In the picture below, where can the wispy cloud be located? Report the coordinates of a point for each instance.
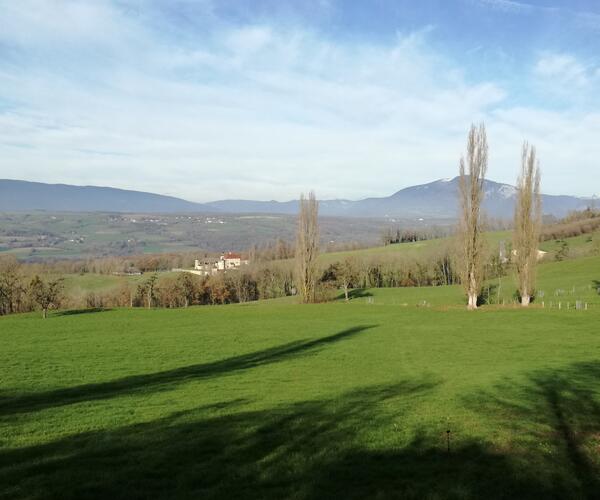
(205, 108)
(580, 18)
(589, 20)
(507, 5)
(567, 78)
(563, 69)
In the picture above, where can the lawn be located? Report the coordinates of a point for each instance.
(279, 400)
(412, 249)
(568, 281)
(565, 282)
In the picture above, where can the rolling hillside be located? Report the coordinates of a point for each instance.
(435, 200)
(18, 195)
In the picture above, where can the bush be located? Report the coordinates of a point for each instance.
(563, 251)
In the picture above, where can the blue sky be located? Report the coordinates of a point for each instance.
(264, 99)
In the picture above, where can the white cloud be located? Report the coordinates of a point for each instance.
(569, 17)
(251, 111)
(507, 5)
(563, 69)
(249, 39)
(567, 80)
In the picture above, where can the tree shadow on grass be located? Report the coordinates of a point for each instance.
(167, 379)
(489, 295)
(342, 448)
(557, 411)
(204, 454)
(357, 293)
(74, 312)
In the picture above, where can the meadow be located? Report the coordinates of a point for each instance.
(567, 281)
(373, 398)
(398, 393)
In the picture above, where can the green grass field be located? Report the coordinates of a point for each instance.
(412, 249)
(565, 282)
(580, 245)
(279, 400)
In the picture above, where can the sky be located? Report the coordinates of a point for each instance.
(264, 99)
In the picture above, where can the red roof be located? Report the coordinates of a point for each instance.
(232, 255)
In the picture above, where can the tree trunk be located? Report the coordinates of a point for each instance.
(525, 300)
(472, 300)
(44, 313)
(472, 291)
(346, 292)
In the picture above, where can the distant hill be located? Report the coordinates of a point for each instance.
(437, 200)
(23, 195)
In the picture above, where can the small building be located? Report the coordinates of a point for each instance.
(540, 255)
(226, 262)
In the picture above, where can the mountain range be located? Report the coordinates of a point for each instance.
(436, 199)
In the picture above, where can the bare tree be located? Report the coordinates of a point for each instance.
(343, 274)
(187, 287)
(11, 286)
(307, 247)
(347, 275)
(528, 221)
(47, 294)
(146, 291)
(471, 191)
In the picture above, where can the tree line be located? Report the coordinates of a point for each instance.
(470, 258)
(280, 268)
(20, 293)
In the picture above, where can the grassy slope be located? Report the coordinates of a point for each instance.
(278, 400)
(82, 284)
(566, 282)
(408, 249)
(579, 243)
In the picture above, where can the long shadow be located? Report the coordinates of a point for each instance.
(203, 453)
(357, 293)
(308, 450)
(73, 312)
(166, 379)
(561, 409)
(574, 413)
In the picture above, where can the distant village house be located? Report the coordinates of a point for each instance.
(504, 257)
(225, 262)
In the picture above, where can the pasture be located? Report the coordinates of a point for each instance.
(280, 400)
(566, 282)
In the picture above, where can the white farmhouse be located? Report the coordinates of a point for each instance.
(540, 254)
(225, 262)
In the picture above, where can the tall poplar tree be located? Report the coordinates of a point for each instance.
(471, 191)
(307, 248)
(528, 221)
